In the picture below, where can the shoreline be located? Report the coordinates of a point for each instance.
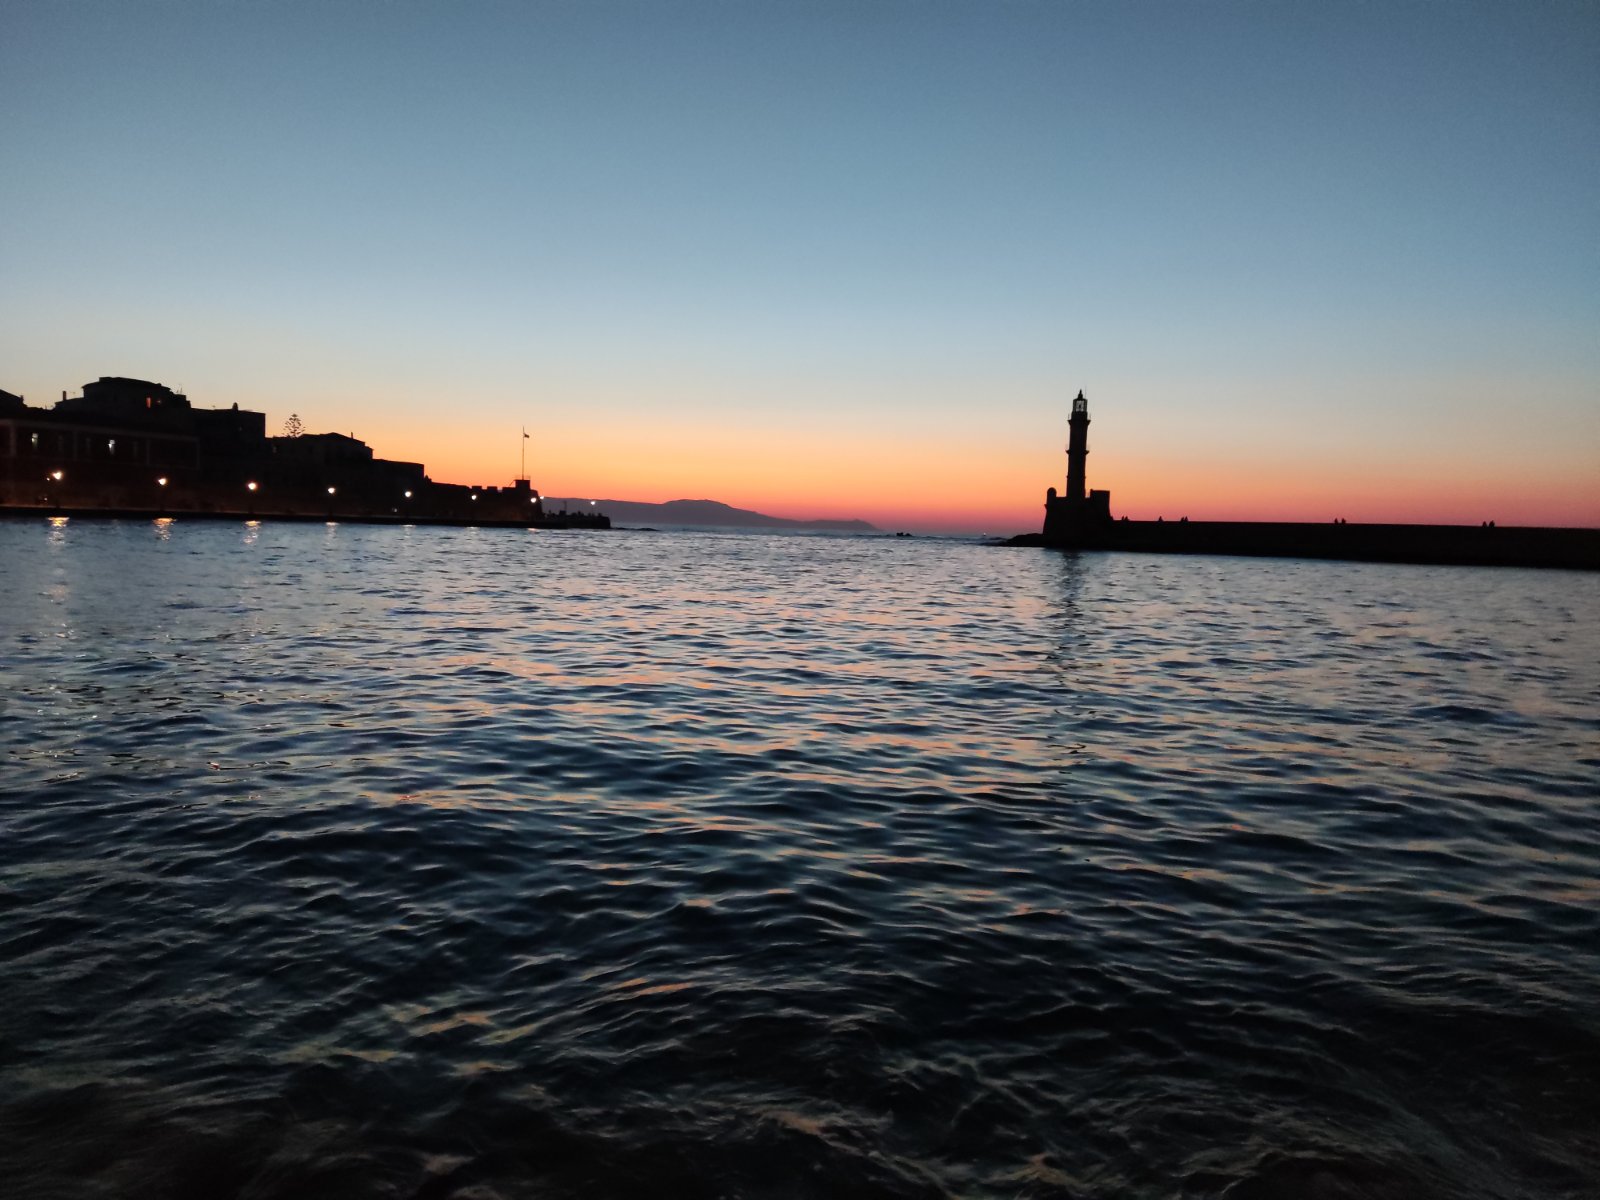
(151, 514)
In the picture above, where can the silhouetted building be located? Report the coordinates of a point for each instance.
(120, 434)
(118, 397)
(1069, 517)
(231, 431)
(324, 449)
(130, 445)
(124, 443)
(309, 464)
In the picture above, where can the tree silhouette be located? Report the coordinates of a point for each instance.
(293, 427)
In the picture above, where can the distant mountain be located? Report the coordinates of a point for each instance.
(699, 512)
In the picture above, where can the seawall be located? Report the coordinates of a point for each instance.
(1464, 545)
(548, 521)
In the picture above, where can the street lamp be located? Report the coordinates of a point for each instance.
(251, 485)
(161, 481)
(58, 476)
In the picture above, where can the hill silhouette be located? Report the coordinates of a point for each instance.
(700, 512)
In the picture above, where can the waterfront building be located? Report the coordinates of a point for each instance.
(107, 445)
(114, 396)
(132, 445)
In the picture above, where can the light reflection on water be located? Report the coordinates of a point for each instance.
(371, 861)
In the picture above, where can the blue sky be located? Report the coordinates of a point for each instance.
(1350, 237)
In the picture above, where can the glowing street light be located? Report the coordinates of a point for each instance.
(408, 493)
(161, 480)
(474, 495)
(332, 490)
(58, 476)
(252, 485)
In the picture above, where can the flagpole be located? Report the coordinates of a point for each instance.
(524, 452)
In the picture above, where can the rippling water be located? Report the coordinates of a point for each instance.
(347, 862)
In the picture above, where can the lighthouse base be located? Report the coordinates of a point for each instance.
(1071, 521)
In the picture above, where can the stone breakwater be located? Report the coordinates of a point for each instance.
(1461, 545)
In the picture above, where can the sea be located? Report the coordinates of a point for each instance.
(341, 861)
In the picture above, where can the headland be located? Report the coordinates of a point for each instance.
(710, 514)
(133, 448)
(1081, 519)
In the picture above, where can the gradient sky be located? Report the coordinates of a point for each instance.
(1307, 260)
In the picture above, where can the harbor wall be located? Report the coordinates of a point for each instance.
(1471, 545)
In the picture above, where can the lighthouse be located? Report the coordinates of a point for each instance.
(1077, 450)
(1073, 519)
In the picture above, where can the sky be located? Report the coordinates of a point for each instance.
(1306, 260)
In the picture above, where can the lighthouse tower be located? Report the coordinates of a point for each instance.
(1073, 519)
(1078, 450)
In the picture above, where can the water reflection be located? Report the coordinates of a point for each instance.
(697, 865)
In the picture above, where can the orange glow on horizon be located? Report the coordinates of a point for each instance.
(938, 480)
